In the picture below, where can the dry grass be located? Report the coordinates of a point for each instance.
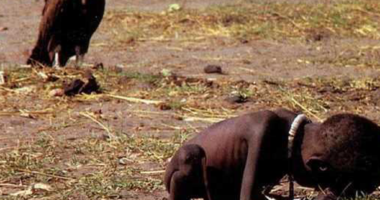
(93, 167)
(358, 19)
(104, 166)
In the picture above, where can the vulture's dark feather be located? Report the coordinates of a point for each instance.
(66, 28)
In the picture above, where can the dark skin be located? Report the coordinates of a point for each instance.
(249, 152)
(189, 167)
(240, 153)
(340, 156)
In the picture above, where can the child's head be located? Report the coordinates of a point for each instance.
(344, 152)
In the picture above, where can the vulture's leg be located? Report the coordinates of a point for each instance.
(56, 60)
(79, 57)
(56, 63)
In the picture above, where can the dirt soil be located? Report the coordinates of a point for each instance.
(265, 66)
(249, 61)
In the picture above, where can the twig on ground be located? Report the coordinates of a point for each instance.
(135, 100)
(44, 174)
(110, 134)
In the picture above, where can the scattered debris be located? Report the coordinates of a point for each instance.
(73, 87)
(98, 66)
(244, 41)
(87, 86)
(174, 7)
(237, 99)
(136, 100)
(23, 193)
(213, 69)
(33, 189)
(181, 80)
(25, 113)
(42, 75)
(42, 186)
(164, 106)
(202, 119)
(25, 66)
(2, 78)
(117, 68)
(26, 90)
(317, 35)
(124, 161)
(92, 117)
(90, 84)
(153, 172)
(57, 92)
(166, 72)
(47, 77)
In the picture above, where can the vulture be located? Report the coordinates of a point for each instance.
(65, 30)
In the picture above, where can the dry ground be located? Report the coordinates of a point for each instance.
(318, 57)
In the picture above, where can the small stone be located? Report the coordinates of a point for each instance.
(236, 99)
(244, 41)
(73, 87)
(213, 69)
(98, 66)
(42, 186)
(123, 161)
(56, 93)
(90, 84)
(164, 106)
(87, 86)
(119, 68)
